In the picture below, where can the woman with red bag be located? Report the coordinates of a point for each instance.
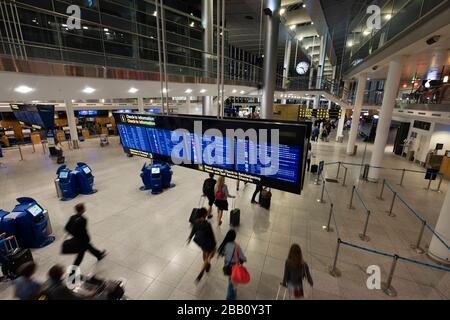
(234, 258)
(295, 270)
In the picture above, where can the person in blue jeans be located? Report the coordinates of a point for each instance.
(226, 250)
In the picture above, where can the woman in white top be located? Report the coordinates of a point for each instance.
(221, 196)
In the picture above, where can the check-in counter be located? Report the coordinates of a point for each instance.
(85, 133)
(445, 167)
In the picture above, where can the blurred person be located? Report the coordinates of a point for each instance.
(259, 188)
(295, 270)
(221, 196)
(208, 192)
(204, 237)
(309, 156)
(227, 250)
(77, 227)
(55, 288)
(25, 287)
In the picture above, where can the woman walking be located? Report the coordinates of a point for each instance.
(232, 254)
(204, 237)
(295, 270)
(221, 198)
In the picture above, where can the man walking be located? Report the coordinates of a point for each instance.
(77, 227)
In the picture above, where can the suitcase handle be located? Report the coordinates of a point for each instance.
(8, 240)
(201, 200)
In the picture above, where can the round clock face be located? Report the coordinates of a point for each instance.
(302, 68)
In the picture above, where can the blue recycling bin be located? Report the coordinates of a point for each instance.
(68, 183)
(85, 178)
(31, 224)
(7, 225)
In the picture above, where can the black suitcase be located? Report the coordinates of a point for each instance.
(61, 160)
(235, 217)
(314, 168)
(15, 257)
(264, 198)
(195, 215)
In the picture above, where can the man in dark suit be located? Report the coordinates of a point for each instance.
(77, 227)
(258, 189)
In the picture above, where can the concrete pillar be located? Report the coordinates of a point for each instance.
(72, 123)
(287, 59)
(141, 107)
(346, 91)
(437, 250)
(362, 78)
(387, 108)
(322, 58)
(311, 76)
(341, 123)
(188, 104)
(316, 102)
(272, 22)
(208, 47)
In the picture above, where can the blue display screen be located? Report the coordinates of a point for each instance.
(87, 113)
(154, 136)
(63, 175)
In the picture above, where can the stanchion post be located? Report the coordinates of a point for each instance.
(417, 247)
(387, 286)
(350, 206)
(403, 177)
(20, 151)
(392, 206)
(43, 147)
(338, 170)
(440, 183)
(429, 185)
(333, 270)
(345, 176)
(380, 197)
(34, 149)
(321, 200)
(327, 228)
(363, 235)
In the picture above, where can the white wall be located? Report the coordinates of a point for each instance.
(441, 134)
(422, 143)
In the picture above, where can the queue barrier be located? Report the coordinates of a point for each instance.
(424, 223)
(387, 286)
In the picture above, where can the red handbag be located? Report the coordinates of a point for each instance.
(239, 273)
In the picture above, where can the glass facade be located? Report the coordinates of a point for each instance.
(396, 16)
(119, 34)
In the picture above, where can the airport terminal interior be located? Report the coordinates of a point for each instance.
(325, 126)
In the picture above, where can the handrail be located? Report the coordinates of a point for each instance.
(361, 199)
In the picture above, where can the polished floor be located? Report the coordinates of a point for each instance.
(145, 234)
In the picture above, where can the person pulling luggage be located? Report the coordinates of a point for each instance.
(204, 237)
(258, 189)
(77, 227)
(208, 191)
(221, 198)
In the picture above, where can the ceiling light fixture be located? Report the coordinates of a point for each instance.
(188, 91)
(23, 89)
(133, 90)
(234, 91)
(292, 27)
(242, 92)
(388, 17)
(282, 11)
(88, 90)
(203, 91)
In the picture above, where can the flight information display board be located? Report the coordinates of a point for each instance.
(191, 139)
(306, 113)
(39, 116)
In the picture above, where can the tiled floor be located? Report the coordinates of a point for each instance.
(145, 235)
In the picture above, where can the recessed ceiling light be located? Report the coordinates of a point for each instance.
(106, 29)
(242, 92)
(282, 11)
(155, 13)
(388, 17)
(234, 91)
(203, 91)
(23, 89)
(85, 28)
(164, 90)
(133, 90)
(292, 27)
(304, 6)
(88, 90)
(188, 91)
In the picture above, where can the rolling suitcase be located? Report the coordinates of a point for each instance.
(15, 257)
(264, 198)
(195, 213)
(314, 168)
(235, 216)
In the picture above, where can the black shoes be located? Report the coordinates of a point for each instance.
(208, 267)
(199, 277)
(102, 255)
(210, 216)
(254, 202)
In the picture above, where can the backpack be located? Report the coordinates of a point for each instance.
(220, 195)
(208, 187)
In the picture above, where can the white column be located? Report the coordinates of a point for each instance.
(188, 104)
(346, 92)
(141, 107)
(72, 123)
(329, 104)
(387, 108)
(362, 78)
(322, 57)
(438, 250)
(287, 59)
(341, 123)
(316, 102)
(208, 50)
(311, 75)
